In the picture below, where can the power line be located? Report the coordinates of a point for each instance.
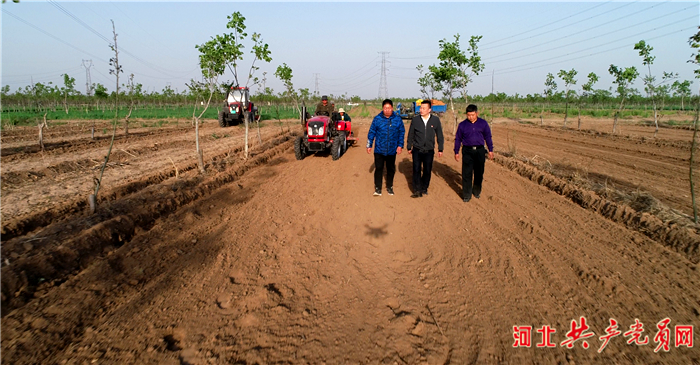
(588, 55)
(51, 35)
(354, 72)
(583, 32)
(122, 49)
(554, 22)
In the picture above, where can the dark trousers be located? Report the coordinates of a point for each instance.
(422, 169)
(472, 165)
(379, 162)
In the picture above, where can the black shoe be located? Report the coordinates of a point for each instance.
(417, 195)
(466, 200)
(377, 192)
(390, 191)
(425, 192)
(477, 195)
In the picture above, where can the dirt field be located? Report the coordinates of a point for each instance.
(271, 260)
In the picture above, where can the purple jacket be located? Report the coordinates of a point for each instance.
(473, 134)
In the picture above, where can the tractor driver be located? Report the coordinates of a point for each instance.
(324, 108)
(344, 116)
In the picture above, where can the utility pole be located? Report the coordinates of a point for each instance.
(383, 90)
(88, 82)
(316, 76)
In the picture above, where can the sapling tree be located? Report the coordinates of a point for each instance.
(550, 87)
(694, 42)
(284, 73)
(456, 69)
(569, 79)
(116, 70)
(428, 85)
(650, 80)
(623, 78)
(68, 89)
(225, 51)
(682, 90)
(587, 89)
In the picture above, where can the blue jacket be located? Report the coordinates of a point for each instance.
(389, 133)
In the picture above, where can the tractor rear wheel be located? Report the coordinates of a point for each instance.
(299, 148)
(222, 120)
(337, 146)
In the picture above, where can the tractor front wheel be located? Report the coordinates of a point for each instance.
(222, 119)
(299, 148)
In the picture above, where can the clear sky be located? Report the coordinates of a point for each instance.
(522, 41)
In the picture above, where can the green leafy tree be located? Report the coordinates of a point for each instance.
(225, 51)
(428, 85)
(456, 69)
(68, 89)
(586, 92)
(623, 78)
(569, 79)
(100, 91)
(284, 73)
(682, 90)
(650, 80)
(550, 87)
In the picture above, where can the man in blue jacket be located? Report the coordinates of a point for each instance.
(388, 130)
(471, 135)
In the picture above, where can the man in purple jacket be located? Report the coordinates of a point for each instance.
(471, 134)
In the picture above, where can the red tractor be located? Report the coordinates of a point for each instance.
(324, 132)
(237, 107)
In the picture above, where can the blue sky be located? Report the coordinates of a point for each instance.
(522, 41)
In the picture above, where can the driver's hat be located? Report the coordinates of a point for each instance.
(324, 97)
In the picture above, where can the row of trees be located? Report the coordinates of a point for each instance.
(41, 96)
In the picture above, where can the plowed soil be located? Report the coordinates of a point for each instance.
(270, 260)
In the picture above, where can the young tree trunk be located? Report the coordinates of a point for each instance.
(617, 114)
(246, 137)
(200, 157)
(126, 121)
(566, 112)
(656, 119)
(452, 106)
(579, 117)
(41, 133)
(692, 161)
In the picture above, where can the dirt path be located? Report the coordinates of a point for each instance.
(296, 262)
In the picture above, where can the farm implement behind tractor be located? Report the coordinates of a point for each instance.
(323, 133)
(411, 110)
